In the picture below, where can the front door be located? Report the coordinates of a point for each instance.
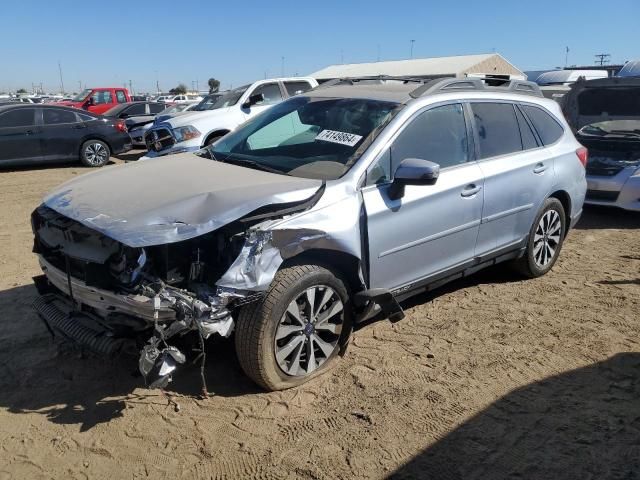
(272, 95)
(432, 228)
(19, 136)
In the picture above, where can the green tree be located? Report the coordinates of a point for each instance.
(214, 85)
(21, 90)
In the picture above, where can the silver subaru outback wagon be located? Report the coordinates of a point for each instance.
(323, 211)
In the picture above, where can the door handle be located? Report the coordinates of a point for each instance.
(539, 168)
(29, 132)
(470, 190)
(80, 127)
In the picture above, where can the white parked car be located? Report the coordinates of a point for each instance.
(194, 130)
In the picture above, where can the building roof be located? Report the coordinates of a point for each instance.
(490, 63)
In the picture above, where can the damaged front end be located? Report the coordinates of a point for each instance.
(163, 301)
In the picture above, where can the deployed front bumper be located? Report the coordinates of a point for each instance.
(621, 190)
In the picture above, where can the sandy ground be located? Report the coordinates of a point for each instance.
(491, 377)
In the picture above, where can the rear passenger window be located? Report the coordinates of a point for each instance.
(53, 116)
(528, 138)
(547, 127)
(122, 98)
(497, 127)
(438, 135)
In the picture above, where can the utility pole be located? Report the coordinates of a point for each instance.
(80, 85)
(130, 88)
(603, 59)
(566, 57)
(61, 82)
(157, 83)
(412, 42)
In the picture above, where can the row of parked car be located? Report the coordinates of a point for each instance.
(98, 123)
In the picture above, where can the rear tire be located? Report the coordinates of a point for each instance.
(94, 153)
(297, 331)
(545, 240)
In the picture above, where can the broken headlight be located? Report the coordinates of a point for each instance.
(188, 132)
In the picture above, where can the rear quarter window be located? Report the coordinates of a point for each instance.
(548, 128)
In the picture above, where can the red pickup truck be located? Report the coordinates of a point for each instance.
(98, 100)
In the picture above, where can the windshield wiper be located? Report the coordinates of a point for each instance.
(253, 164)
(229, 158)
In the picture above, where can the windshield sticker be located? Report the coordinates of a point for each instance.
(343, 138)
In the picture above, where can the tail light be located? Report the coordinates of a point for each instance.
(121, 126)
(583, 155)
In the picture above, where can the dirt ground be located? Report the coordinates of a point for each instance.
(492, 377)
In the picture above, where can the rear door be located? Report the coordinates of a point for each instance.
(62, 132)
(518, 174)
(433, 228)
(20, 135)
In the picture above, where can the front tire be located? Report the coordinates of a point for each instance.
(297, 330)
(94, 153)
(545, 240)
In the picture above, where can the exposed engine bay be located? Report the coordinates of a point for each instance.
(145, 296)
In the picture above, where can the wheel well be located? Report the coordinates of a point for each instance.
(217, 133)
(565, 200)
(344, 264)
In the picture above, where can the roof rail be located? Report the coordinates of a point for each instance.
(444, 85)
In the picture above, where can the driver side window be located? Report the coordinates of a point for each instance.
(438, 135)
(271, 92)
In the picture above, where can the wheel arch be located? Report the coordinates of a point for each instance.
(215, 133)
(344, 264)
(565, 199)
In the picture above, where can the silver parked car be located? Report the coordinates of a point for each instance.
(323, 211)
(605, 114)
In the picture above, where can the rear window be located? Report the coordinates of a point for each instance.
(549, 130)
(613, 101)
(497, 127)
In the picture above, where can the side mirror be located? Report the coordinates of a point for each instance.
(413, 171)
(253, 99)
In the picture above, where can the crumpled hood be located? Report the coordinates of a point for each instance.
(173, 198)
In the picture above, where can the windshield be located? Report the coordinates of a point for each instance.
(82, 95)
(307, 137)
(208, 103)
(229, 98)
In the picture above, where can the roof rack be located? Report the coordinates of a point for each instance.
(354, 80)
(444, 85)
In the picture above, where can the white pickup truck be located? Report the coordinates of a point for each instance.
(194, 130)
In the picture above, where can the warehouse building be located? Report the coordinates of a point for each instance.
(491, 65)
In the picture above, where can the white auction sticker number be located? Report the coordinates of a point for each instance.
(343, 138)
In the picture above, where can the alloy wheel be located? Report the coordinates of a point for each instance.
(96, 154)
(547, 238)
(309, 331)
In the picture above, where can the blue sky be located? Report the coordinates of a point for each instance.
(112, 42)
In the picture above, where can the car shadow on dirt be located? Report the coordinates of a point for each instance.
(583, 423)
(596, 217)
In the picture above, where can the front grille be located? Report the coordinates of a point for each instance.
(602, 195)
(159, 139)
(600, 170)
